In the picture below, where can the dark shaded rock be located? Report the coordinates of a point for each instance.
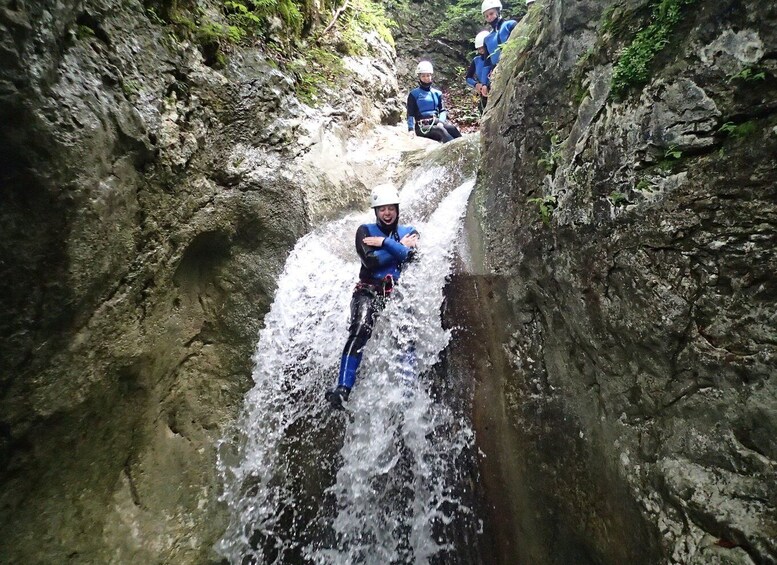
(635, 344)
(148, 204)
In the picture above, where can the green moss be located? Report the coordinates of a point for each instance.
(352, 42)
(634, 65)
(618, 199)
(220, 60)
(644, 185)
(524, 35)
(241, 18)
(318, 70)
(607, 23)
(210, 33)
(242, 15)
(749, 74)
(130, 87)
(545, 207)
(740, 131)
(372, 16)
(84, 32)
(251, 20)
(459, 19)
(362, 17)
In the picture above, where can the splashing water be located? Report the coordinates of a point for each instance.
(381, 482)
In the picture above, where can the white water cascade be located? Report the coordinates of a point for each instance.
(383, 481)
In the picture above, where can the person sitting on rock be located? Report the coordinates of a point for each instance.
(500, 29)
(477, 74)
(426, 113)
(384, 248)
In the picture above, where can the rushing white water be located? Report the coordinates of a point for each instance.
(381, 482)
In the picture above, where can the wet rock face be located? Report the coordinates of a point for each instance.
(148, 204)
(639, 353)
(134, 283)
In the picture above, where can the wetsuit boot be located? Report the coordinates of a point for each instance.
(337, 396)
(349, 364)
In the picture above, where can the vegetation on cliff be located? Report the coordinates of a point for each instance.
(633, 67)
(304, 37)
(462, 13)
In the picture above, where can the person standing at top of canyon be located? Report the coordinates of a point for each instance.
(479, 70)
(500, 29)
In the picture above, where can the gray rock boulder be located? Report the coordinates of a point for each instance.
(627, 246)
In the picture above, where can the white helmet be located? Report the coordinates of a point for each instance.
(488, 4)
(383, 195)
(529, 3)
(424, 67)
(480, 39)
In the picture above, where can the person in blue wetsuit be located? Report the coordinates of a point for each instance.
(500, 29)
(426, 113)
(477, 74)
(384, 248)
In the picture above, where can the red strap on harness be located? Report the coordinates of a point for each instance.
(384, 286)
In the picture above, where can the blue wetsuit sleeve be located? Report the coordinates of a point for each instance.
(396, 249)
(506, 30)
(390, 252)
(412, 110)
(371, 257)
(412, 252)
(442, 113)
(491, 43)
(399, 251)
(471, 78)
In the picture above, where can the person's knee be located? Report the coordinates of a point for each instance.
(362, 331)
(360, 328)
(359, 342)
(357, 339)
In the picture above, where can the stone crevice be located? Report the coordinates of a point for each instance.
(132, 486)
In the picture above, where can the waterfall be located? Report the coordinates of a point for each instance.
(383, 481)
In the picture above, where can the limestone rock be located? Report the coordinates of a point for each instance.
(149, 201)
(634, 338)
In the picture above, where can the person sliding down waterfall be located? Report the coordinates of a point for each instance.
(426, 113)
(383, 247)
